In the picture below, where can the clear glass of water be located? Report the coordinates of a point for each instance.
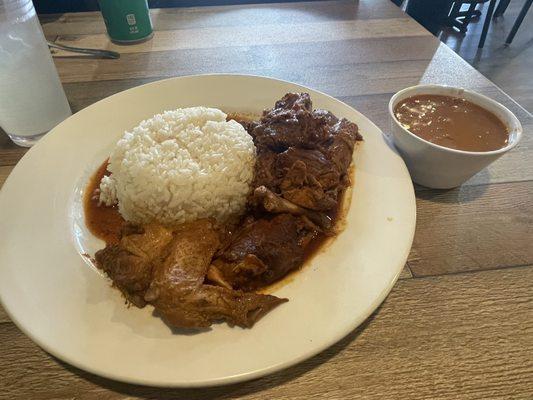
(32, 100)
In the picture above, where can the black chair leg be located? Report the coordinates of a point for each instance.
(502, 6)
(486, 24)
(518, 21)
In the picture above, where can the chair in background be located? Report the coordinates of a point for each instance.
(433, 14)
(460, 19)
(486, 23)
(502, 6)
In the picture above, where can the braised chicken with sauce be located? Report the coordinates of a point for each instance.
(199, 272)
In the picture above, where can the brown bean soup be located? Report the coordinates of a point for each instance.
(452, 122)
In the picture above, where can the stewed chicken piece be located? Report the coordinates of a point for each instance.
(167, 268)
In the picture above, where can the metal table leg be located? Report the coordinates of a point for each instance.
(502, 6)
(486, 24)
(518, 21)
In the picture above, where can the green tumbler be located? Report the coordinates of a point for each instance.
(127, 21)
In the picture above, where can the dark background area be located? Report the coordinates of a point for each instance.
(61, 6)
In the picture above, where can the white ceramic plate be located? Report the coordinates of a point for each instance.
(68, 307)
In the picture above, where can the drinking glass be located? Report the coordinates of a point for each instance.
(32, 100)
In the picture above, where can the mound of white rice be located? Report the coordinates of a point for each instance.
(180, 166)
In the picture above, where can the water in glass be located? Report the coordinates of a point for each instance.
(32, 100)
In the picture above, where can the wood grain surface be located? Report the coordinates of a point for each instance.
(473, 228)
(254, 35)
(458, 324)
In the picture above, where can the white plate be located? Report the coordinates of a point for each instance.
(68, 307)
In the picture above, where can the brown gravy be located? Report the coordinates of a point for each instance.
(452, 122)
(103, 222)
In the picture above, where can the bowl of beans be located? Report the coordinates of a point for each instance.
(447, 134)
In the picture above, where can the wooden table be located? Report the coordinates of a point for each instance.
(459, 322)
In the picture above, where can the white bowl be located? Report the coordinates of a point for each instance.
(440, 167)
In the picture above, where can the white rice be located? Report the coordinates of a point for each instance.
(180, 166)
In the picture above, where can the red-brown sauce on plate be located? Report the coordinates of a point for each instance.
(102, 221)
(452, 122)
